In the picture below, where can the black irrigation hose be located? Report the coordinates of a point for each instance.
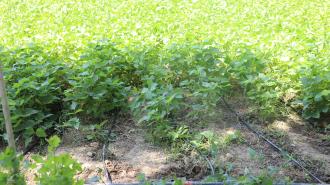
(200, 183)
(242, 121)
(106, 172)
(203, 156)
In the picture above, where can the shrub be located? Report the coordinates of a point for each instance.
(315, 92)
(36, 80)
(97, 84)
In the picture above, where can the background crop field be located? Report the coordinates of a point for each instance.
(277, 51)
(289, 30)
(166, 65)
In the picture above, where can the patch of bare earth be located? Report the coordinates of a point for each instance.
(127, 157)
(238, 155)
(293, 134)
(129, 154)
(307, 144)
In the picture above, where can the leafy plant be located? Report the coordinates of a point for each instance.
(232, 137)
(207, 143)
(72, 122)
(180, 133)
(96, 132)
(266, 177)
(315, 97)
(36, 79)
(56, 169)
(96, 88)
(260, 88)
(154, 103)
(9, 164)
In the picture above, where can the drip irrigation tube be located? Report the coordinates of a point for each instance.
(242, 121)
(201, 183)
(203, 156)
(106, 172)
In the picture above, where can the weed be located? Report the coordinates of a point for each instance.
(232, 137)
(326, 138)
(56, 169)
(96, 132)
(9, 163)
(207, 143)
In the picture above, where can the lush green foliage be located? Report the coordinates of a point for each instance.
(315, 89)
(9, 165)
(51, 170)
(165, 62)
(161, 59)
(56, 169)
(96, 83)
(36, 82)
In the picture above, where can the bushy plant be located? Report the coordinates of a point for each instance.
(9, 166)
(52, 170)
(56, 169)
(165, 40)
(250, 73)
(156, 103)
(207, 143)
(36, 80)
(96, 87)
(315, 93)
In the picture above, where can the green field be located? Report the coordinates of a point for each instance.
(66, 61)
(286, 30)
(273, 49)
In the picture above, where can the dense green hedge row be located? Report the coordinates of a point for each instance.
(156, 83)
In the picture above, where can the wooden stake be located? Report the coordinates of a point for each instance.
(6, 111)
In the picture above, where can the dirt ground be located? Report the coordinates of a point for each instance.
(293, 134)
(130, 154)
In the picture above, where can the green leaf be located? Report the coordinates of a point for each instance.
(73, 122)
(325, 92)
(40, 132)
(53, 142)
(252, 153)
(178, 181)
(27, 141)
(267, 181)
(28, 112)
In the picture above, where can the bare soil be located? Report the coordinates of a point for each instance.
(130, 154)
(293, 134)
